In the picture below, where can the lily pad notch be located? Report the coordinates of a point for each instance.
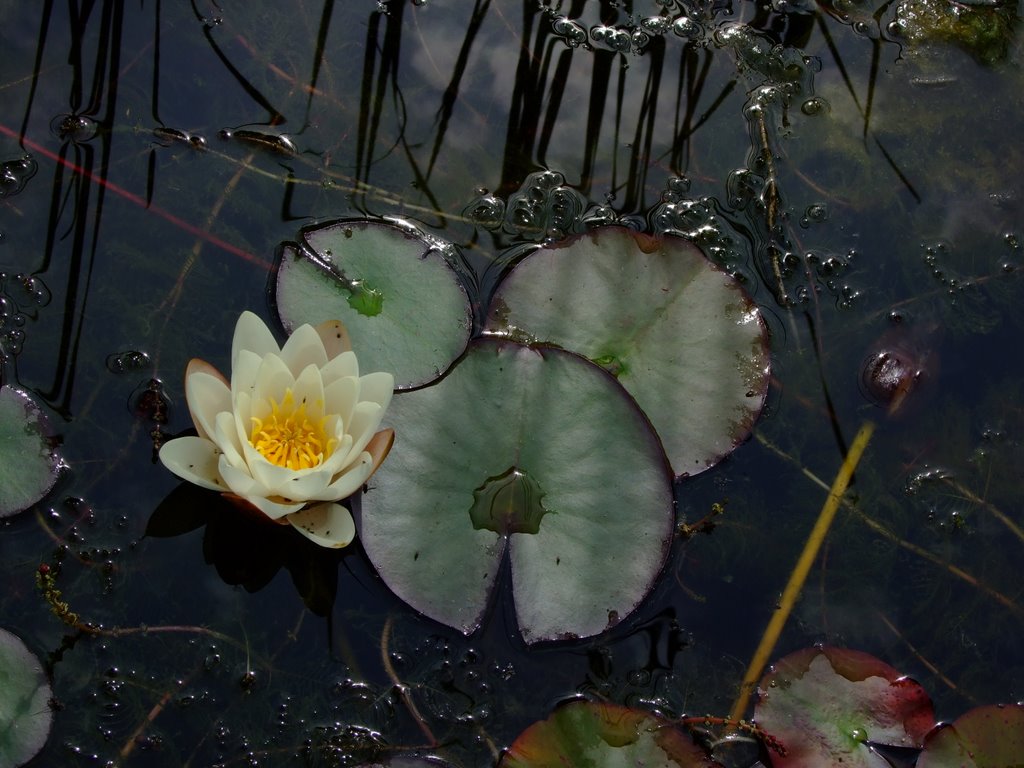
(531, 451)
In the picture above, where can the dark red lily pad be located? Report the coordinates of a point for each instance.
(589, 733)
(985, 737)
(828, 706)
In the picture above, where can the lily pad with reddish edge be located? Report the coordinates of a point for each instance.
(29, 464)
(985, 737)
(536, 452)
(588, 733)
(677, 332)
(828, 706)
(391, 285)
(25, 715)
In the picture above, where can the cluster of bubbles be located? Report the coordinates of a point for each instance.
(20, 298)
(129, 361)
(686, 19)
(543, 208)
(14, 175)
(701, 221)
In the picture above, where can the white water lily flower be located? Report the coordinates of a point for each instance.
(294, 432)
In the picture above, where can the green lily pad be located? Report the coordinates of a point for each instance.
(25, 715)
(530, 449)
(391, 285)
(985, 737)
(679, 334)
(829, 705)
(587, 733)
(29, 465)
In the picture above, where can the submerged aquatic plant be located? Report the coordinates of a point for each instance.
(294, 432)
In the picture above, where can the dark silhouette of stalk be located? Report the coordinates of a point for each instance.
(451, 93)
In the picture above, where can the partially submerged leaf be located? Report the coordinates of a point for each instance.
(531, 449)
(677, 332)
(828, 705)
(391, 286)
(587, 733)
(985, 737)
(29, 465)
(25, 715)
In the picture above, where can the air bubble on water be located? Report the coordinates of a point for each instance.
(612, 38)
(816, 213)
(864, 29)
(74, 128)
(656, 25)
(815, 106)
(570, 31)
(687, 28)
(129, 361)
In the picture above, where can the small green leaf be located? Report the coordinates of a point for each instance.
(391, 285)
(25, 715)
(29, 465)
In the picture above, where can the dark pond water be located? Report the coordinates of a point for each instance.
(856, 164)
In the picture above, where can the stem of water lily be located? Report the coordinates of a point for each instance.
(801, 569)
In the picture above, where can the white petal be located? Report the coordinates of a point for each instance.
(351, 480)
(225, 435)
(275, 510)
(364, 425)
(243, 426)
(268, 475)
(244, 371)
(206, 395)
(329, 525)
(273, 379)
(341, 366)
(252, 333)
(303, 348)
(338, 460)
(193, 459)
(309, 389)
(291, 484)
(335, 338)
(377, 388)
(340, 398)
(238, 480)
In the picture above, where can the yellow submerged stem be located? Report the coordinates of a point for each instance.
(801, 569)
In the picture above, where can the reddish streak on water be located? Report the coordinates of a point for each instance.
(132, 197)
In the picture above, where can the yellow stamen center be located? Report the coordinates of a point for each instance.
(289, 438)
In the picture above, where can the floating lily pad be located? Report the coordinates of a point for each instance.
(29, 465)
(679, 334)
(533, 450)
(985, 737)
(829, 705)
(586, 733)
(25, 715)
(404, 307)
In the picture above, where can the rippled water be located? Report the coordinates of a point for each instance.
(856, 165)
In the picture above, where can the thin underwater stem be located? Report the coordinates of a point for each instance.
(885, 532)
(802, 568)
